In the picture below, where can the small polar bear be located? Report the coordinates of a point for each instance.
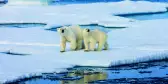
(93, 37)
(72, 34)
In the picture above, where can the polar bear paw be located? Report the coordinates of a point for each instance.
(97, 50)
(86, 50)
(105, 49)
(62, 51)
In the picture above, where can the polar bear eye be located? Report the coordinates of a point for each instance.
(88, 30)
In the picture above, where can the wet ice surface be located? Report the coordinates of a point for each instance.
(145, 72)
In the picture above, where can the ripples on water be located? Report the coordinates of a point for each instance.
(137, 73)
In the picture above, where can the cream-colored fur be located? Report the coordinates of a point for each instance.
(72, 34)
(91, 37)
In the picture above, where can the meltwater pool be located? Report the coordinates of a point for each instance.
(147, 16)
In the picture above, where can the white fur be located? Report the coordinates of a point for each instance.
(72, 34)
(93, 37)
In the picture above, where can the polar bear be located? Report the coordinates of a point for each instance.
(91, 37)
(72, 34)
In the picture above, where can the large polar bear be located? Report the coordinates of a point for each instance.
(72, 34)
(94, 36)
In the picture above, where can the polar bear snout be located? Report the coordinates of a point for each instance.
(61, 30)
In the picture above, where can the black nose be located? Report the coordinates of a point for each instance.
(88, 30)
(62, 31)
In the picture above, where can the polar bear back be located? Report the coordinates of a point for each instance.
(98, 35)
(77, 31)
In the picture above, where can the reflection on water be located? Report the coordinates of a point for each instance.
(137, 73)
(86, 77)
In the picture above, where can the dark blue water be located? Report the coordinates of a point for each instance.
(64, 2)
(146, 16)
(54, 2)
(137, 73)
(165, 1)
(3, 1)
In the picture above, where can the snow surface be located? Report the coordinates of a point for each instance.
(138, 41)
(141, 38)
(100, 13)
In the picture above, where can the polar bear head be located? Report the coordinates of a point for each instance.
(62, 31)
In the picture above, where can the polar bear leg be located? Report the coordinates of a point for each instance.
(106, 46)
(92, 45)
(79, 45)
(86, 43)
(63, 44)
(100, 46)
(73, 45)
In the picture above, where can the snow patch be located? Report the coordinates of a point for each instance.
(124, 43)
(79, 13)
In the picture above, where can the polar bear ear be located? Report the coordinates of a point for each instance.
(86, 30)
(58, 29)
(64, 27)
